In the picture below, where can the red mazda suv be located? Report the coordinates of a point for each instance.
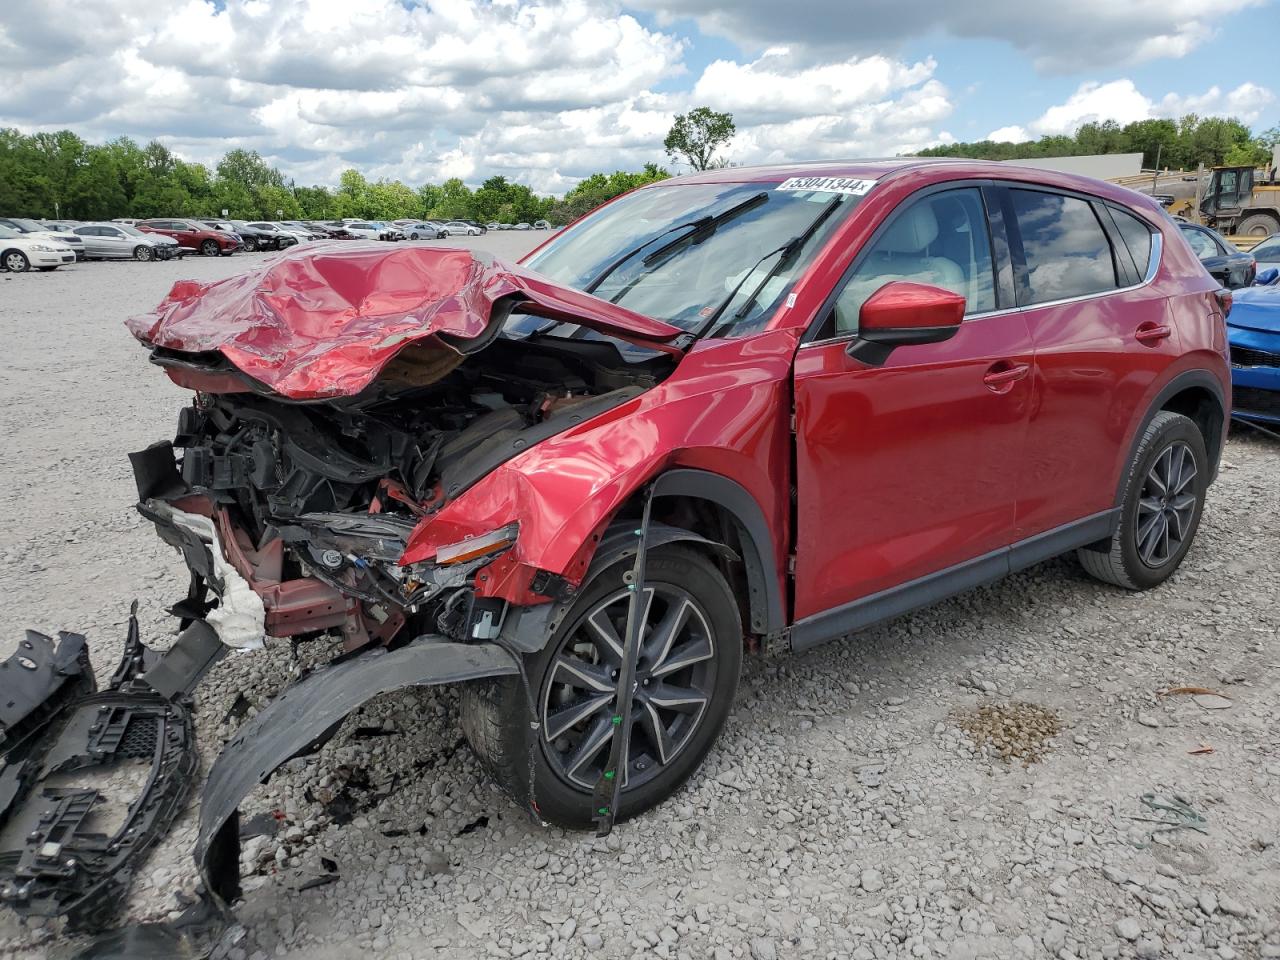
(741, 410)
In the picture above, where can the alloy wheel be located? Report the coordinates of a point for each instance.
(1166, 505)
(15, 262)
(142, 252)
(675, 677)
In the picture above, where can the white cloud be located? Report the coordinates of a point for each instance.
(1011, 134)
(1122, 101)
(542, 91)
(1061, 37)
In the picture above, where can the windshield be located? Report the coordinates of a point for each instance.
(28, 226)
(9, 233)
(677, 252)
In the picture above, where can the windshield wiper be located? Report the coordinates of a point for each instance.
(789, 250)
(701, 228)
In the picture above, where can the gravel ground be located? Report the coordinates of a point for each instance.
(964, 782)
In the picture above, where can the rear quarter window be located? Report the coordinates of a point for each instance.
(1065, 249)
(1137, 238)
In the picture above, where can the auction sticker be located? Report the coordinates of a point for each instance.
(849, 185)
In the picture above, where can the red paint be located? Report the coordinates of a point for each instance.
(311, 323)
(1019, 422)
(192, 238)
(902, 305)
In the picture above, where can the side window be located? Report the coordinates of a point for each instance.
(1137, 238)
(1201, 244)
(941, 240)
(1067, 252)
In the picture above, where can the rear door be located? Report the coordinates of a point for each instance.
(115, 243)
(910, 467)
(1102, 334)
(93, 240)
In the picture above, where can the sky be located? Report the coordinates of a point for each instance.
(546, 92)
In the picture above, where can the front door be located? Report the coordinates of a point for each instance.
(910, 467)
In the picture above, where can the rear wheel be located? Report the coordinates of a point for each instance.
(1258, 225)
(549, 755)
(250, 245)
(1163, 501)
(209, 248)
(15, 261)
(143, 252)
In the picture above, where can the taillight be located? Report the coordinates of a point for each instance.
(1224, 299)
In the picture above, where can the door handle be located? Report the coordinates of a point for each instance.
(1002, 375)
(1152, 333)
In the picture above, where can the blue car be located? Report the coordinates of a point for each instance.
(1253, 329)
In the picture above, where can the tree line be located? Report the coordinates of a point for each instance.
(1176, 144)
(61, 176)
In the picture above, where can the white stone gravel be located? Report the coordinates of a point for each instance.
(841, 815)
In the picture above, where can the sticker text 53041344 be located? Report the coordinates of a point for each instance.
(847, 185)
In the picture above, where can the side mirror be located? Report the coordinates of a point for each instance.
(903, 313)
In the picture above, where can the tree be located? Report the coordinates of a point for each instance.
(697, 135)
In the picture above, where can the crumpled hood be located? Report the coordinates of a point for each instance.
(1256, 308)
(316, 323)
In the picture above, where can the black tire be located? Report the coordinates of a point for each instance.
(413, 236)
(1258, 225)
(250, 245)
(513, 746)
(15, 261)
(209, 248)
(143, 253)
(1136, 556)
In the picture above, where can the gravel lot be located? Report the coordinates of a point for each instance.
(846, 812)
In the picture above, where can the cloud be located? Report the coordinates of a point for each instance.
(1122, 101)
(542, 91)
(1060, 37)
(1012, 134)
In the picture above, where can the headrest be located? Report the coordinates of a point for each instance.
(912, 231)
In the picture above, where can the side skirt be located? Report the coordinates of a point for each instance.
(927, 590)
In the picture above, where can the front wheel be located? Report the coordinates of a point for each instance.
(15, 261)
(550, 759)
(1163, 500)
(143, 252)
(209, 248)
(250, 245)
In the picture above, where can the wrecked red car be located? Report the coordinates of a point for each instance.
(744, 410)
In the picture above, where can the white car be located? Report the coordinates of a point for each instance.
(120, 241)
(38, 231)
(456, 228)
(363, 229)
(19, 252)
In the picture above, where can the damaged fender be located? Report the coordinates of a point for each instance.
(303, 717)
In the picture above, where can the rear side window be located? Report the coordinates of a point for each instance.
(1066, 251)
(1201, 243)
(1137, 238)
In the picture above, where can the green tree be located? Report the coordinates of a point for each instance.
(351, 198)
(697, 135)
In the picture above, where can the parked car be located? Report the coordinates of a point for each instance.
(1266, 254)
(194, 235)
(20, 251)
(542, 225)
(303, 229)
(456, 228)
(1229, 266)
(387, 231)
(255, 238)
(120, 241)
(38, 231)
(332, 231)
(522, 226)
(364, 230)
(283, 236)
(1253, 329)
(423, 230)
(60, 226)
(492, 225)
(778, 404)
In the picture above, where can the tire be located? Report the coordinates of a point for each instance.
(413, 236)
(209, 248)
(1258, 225)
(540, 774)
(250, 245)
(143, 253)
(1132, 558)
(15, 261)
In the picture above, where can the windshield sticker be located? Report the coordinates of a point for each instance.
(847, 185)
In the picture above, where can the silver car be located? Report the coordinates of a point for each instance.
(120, 241)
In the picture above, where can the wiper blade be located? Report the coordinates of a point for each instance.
(789, 250)
(701, 228)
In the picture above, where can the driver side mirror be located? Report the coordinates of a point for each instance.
(903, 313)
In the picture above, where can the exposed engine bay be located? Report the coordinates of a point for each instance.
(331, 490)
